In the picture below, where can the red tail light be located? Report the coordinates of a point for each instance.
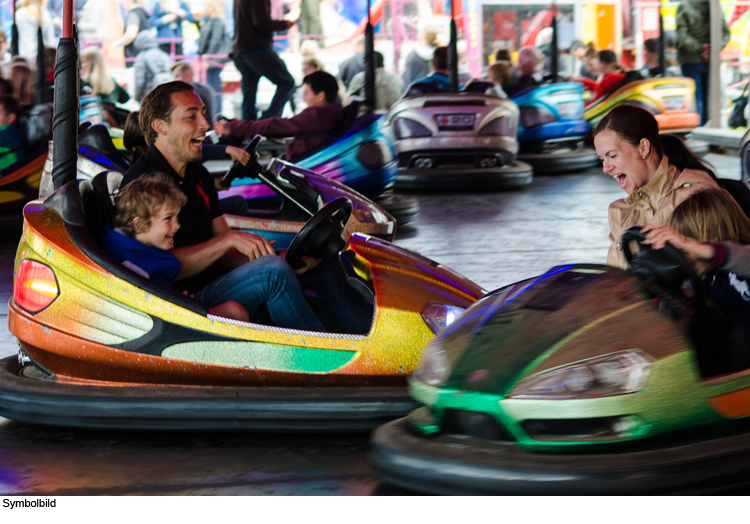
(35, 286)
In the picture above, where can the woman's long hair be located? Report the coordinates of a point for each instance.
(712, 215)
(22, 81)
(100, 81)
(633, 124)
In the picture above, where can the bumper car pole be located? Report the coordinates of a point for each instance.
(14, 34)
(369, 62)
(453, 53)
(41, 70)
(65, 121)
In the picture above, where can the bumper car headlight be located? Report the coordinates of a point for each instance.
(535, 116)
(433, 368)
(406, 128)
(498, 127)
(440, 316)
(616, 374)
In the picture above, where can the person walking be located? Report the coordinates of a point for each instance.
(167, 18)
(136, 21)
(254, 56)
(151, 65)
(693, 37)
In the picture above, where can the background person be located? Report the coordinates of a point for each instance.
(136, 21)
(11, 135)
(388, 87)
(693, 38)
(94, 74)
(214, 40)
(255, 58)
(419, 61)
(184, 72)
(167, 18)
(151, 66)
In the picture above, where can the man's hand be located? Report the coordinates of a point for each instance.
(706, 51)
(290, 23)
(252, 246)
(222, 128)
(238, 155)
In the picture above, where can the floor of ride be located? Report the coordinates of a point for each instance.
(493, 238)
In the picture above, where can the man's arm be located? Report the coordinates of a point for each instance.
(261, 17)
(197, 258)
(311, 120)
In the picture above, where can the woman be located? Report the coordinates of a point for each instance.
(29, 17)
(94, 74)
(213, 41)
(611, 75)
(627, 141)
(22, 80)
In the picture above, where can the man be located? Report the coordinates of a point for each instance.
(440, 72)
(172, 119)
(652, 68)
(388, 87)
(254, 56)
(693, 37)
(530, 62)
(135, 21)
(311, 127)
(183, 72)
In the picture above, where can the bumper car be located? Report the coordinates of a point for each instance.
(457, 140)
(671, 100)
(552, 129)
(102, 346)
(359, 155)
(19, 182)
(585, 380)
(300, 193)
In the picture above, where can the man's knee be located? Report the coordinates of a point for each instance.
(279, 271)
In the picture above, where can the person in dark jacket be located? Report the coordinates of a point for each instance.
(151, 65)
(254, 56)
(693, 37)
(353, 65)
(136, 21)
(418, 62)
(321, 118)
(213, 41)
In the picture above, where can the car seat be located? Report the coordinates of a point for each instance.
(423, 88)
(97, 137)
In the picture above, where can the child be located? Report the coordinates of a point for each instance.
(146, 221)
(11, 135)
(713, 232)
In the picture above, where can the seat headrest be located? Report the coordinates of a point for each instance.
(37, 124)
(97, 137)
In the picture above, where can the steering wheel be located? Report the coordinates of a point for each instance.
(667, 266)
(250, 170)
(322, 235)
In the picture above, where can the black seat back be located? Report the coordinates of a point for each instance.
(631, 76)
(97, 137)
(739, 191)
(423, 88)
(36, 124)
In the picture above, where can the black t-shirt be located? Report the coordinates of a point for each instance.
(135, 16)
(195, 217)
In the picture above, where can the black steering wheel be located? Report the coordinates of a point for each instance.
(322, 235)
(250, 170)
(668, 267)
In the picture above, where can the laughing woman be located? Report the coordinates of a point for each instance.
(627, 141)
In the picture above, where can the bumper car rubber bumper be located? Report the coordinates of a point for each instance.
(562, 162)
(516, 174)
(462, 465)
(193, 408)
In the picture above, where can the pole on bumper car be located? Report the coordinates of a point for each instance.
(369, 61)
(453, 53)
(65, 121)
(40, 89)
(662, 57)
(14, 34)
(553, 50)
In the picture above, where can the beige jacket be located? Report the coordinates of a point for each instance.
(652, 203)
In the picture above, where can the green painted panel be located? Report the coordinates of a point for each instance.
(260, 355)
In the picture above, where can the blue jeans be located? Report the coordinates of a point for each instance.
(269, 281)
(213, 79)
(698, 71)
(253, 66)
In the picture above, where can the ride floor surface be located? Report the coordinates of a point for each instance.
(493, 239)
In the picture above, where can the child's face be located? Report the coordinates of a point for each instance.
(164, 225)
(6, 118)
